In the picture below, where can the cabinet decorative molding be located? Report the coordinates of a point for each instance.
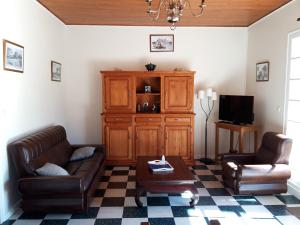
(136, 122)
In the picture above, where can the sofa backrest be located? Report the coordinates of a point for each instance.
(275, 148)
(33, 151)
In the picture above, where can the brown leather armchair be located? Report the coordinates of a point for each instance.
(264, 172)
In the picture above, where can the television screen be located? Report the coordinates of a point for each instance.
(237, 109)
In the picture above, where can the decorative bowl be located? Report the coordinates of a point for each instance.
(150, 67)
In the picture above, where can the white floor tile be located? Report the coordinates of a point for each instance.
(96, 202)
(133, 221)
(269, 200)
(130, 185)
(159, 211)
(132, 172)
(225, 200)
(102, 185)
(110, 212)
(179, 201)
(118, 178)
(58, 216)
(203, 172)
(81, 222)
(257, 212)
(115, 193)
(27, 222)
(210, 211)
(121, 168)
(212, 184)
(129, 201)
(190, 221)
(203, 192)
(288, 220)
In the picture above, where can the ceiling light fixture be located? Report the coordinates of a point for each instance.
(174, 10)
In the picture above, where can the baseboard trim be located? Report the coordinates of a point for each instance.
(294, 189)
(11, 211)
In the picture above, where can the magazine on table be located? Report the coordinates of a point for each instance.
(160, 166)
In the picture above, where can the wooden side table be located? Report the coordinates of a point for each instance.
(241, 129)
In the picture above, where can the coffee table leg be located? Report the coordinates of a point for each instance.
(137, 197)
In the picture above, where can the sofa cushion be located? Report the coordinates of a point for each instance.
(87, 168)
(50, 169)
(82, 153)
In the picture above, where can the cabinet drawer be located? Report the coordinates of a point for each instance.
(178, 120)
(118, 119)
(147, 119)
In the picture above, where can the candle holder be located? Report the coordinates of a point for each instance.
(211, 97)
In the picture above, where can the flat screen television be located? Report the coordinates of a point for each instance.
(237, 109)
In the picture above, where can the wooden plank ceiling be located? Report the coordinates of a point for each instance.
(133, 12)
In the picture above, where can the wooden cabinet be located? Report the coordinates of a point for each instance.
(178, 141)
(178, 94)
(165, 126)
(148, 140)
(119, 94)
(118, 141)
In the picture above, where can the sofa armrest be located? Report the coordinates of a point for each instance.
(265, 172)
(51, 185)
(239, 158)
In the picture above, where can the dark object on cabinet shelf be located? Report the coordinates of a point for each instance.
(265, 172)
(55, 193)
(150, 67)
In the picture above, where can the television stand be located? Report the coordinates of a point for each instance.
(241, 129)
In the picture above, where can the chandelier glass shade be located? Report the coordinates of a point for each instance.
(174, 10)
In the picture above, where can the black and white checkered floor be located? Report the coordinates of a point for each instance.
(114, 204)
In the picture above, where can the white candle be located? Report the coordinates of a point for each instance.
(209, 92)
(201, 94)
(214, 96)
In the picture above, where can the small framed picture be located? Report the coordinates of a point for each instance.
(262, 71)
(161, 43)
(13, 57)
(55, 71)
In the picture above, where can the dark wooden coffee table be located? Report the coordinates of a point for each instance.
(178, 181)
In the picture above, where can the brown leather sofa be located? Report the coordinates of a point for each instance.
(55, 193)
(265, 172)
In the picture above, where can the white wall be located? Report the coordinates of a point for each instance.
(268, 41)
(29, 100)
(217, 54)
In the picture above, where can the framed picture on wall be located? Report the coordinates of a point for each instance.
(161, 43)
(55, 71)
(13, 57)
(262, 71)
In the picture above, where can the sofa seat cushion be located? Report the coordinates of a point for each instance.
(86, 169)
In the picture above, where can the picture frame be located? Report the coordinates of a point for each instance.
(13, 57)
(161, 42)
(56, 71)
(262, 71)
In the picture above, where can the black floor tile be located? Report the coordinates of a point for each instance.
(32, 216)
(247, 200)
(278, 210)
(131, 178)
(238, 210)
(217, 172)
(8, 222)
(130, 192)
(109, 167)
(288, 199)
(120, 172)
(161, 221)
(91, 214)
(218, 192)
(207, 178)
(99, 192)
(181, 211)
(108, 222)
(113, 201)
(135, 212)
(117, 185)
(198, 184)
(158, 201)
(104, 178)
(206, 200)
(200, 167)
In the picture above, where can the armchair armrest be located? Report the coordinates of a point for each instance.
(265, 172)
(239, 158)
(51, 185)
